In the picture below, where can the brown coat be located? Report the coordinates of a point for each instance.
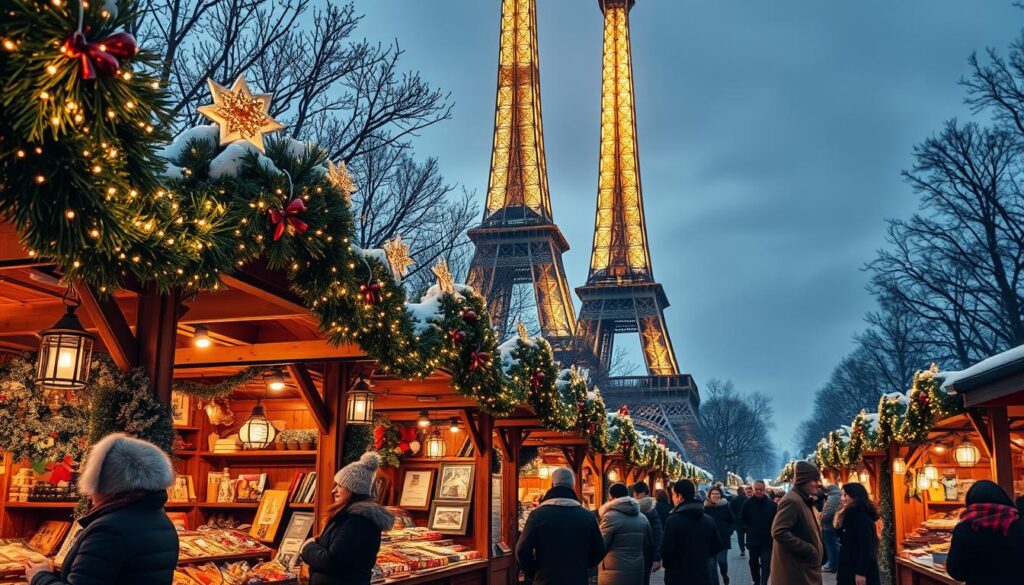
(796, 554)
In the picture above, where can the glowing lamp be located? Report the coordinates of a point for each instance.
(923, 482)
(613, 475)
(659, 485)
(65, 354)
(359, 409)
(257, 432)
(453, 426)
(899, 466)
(966, 454)
(435, 447)
(544, 471)
(201, 338)
(864, 476)
(424, 419)
(931, 472)
(274, 380)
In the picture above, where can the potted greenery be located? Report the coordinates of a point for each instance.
(308, 438)
(290, 439)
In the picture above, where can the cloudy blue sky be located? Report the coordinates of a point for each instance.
(772, 135)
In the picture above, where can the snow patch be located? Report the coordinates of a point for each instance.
(896, 397)
(997, 361)
(505, 350)
(173, 151)
(229, 162)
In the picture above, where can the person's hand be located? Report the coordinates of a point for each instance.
(33, 569)
(656, 566)
(308, 540)
(860, 580)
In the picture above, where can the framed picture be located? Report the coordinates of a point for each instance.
(69, 541)
(181, 409)
(269, 515)
(449, 518)
(456, 482)
(48, 538)
(417, 485)
(299, 527)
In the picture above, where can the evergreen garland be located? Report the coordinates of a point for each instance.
(122, 402)
(218, 390)
(358, 440)
(887, 544)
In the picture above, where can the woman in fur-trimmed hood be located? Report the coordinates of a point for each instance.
(127, 538)
(627, 538)
(345, 552)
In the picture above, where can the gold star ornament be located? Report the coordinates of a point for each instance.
(397, 253)
(338, 175)
(240, 114)
(524, 334)
(445, 280)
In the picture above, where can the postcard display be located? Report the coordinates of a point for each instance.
(240, 513)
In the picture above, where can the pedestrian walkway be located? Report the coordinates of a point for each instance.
(739, 571)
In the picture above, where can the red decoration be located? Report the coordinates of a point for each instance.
(100, 58)
(288, 218)
(623, 410)
(61, 471)
(469, 316)
(478, 359)
(537, 379)
(378, 437)
(371, 293)
(923, 397)
(457, 335)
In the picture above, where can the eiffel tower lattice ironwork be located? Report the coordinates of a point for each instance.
(518, 241)
(621, 295)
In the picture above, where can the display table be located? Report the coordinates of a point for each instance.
(910, 573)
(465, 573)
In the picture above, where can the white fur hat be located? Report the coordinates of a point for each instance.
(357, 477)
(118, 464)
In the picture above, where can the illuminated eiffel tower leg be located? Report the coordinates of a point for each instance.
(518, 241)
(621, 294)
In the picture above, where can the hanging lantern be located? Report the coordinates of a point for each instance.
(435, 448)
(864, 476)
(923, 482)
(899, 466)
(274, 380)
(201, 338)
(966, 454)
(931, 472)
(659, 484)
(613, 475)
(424, 419)
(257, 432)
(360, 403)
(65, 354)
(453, 425)
(544, 471)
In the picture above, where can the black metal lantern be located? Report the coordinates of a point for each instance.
(65, 354)
(435, 446)
(257, 432)
(359, 410)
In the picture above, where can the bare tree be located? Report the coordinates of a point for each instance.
(732, 430)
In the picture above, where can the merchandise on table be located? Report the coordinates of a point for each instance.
(238, 573)
(928, 545)
(217, 542)
(13, 554)
(407, 549)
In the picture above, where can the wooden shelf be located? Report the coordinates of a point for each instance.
(270, 455)
(186, 453)
(67, 505)
(960, 503)
(186, 428)
(228, 505)
(301, 506)
(179, 505)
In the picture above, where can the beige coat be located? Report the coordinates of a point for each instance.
(627, 537)
(796, 536)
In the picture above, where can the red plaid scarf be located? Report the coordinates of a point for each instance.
(994, 517)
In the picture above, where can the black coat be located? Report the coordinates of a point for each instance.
(757, 517)
(664, 509)
(561, 541)
(690, 539)
(346, 551)
(858, 553)
(986, 557)
(648, 507)
(121, 544)
(736, 505)
(725, 522)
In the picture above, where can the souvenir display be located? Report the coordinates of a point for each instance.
(299, 527)
(14, 554)
(48, 538)
(269, 515)
(213, 543)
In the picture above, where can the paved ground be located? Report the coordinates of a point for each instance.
(739, 572)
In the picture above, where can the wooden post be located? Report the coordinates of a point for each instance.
(599, 470)
(481, 520)
(1002, 457)
(156, 334)
(332, 444)
(510, 504)
(579, 454)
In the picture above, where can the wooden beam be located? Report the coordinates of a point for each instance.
(1002, 456)
(518, 423)
(265, 354)
(472, 429)
(502, 436)
(157, 326)
(981, 427)
(312, 398)
(111, 325)
(264, 289)
(481, 514)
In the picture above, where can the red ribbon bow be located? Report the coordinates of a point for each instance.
(537, 379)
(478, 359)
(100, 57)
(289, 218)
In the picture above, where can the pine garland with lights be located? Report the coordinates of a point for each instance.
(122, 402)
(859, 439)
(534, 371)
(622, 436)
(218, 390)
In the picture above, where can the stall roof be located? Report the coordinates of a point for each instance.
(996, 380)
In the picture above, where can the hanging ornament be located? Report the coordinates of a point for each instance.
(477, 359)
(371, 293)
(62, 471)
(99, 58)
(469, 316)
(338, 175)
(923, 397)
(289, 218)
(457, 335)
(240, 114)
(524, 334)
(537, 379)
(219, 413)
(445, 280)
(397, 253)
(623, 410)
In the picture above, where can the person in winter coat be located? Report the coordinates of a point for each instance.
(717, 508)
(346, 550)
(988, 543)
(642, 495)
(828, 531)
(663, 506)
(857, 559)
(757, 516)
(126, 538)
(690, 539)
(736, 505)
(561, 541)
(796, 553)
(627, 539)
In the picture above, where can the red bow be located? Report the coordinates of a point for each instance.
(478, 359)
(371, 292)
(537, 379)
(288, 218)
(101, 56)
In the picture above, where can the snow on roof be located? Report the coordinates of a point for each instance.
(871, 418)
(997, 361)
(897, 396)
(505, 350)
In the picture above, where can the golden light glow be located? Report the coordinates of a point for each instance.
(397, 253)
(338, 175)
(518, 176)
(658, 354)
(240, 114)
(620, 237)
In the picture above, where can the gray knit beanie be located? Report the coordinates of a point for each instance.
(563, 477)
(357, 477)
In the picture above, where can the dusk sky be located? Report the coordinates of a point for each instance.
(772, 135)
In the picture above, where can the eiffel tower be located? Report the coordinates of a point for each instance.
(518, 241)
(621, 295)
